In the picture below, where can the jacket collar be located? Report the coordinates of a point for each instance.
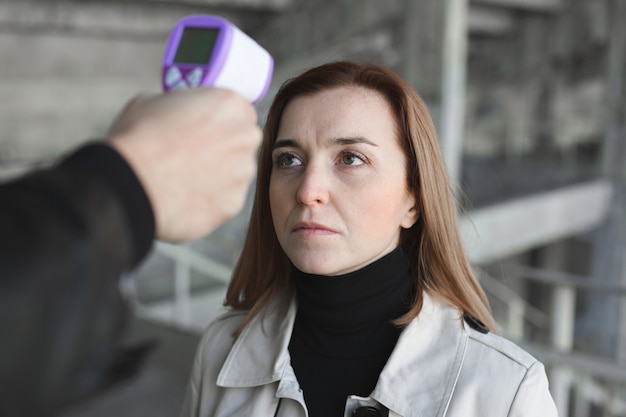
(260, 354)
(417, 381)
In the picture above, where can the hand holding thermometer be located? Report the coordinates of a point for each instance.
(208, 51)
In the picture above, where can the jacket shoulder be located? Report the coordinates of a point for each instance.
(501, 346)
(511, 380)
(223, 326)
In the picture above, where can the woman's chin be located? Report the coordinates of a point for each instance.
(323, 268)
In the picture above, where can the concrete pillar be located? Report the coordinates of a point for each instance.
(435, 39)
(614, 161)
(182, 287)
(453, 86)
(563, 314)
(422, 48)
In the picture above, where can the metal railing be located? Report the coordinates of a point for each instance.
(582, 384)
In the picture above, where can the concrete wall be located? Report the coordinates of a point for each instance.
(68, 68)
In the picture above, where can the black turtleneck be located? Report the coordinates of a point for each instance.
(343, 334)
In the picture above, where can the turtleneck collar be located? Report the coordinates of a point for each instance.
(340, 312)
(343, 333)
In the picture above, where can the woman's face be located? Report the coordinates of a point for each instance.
(338, 191)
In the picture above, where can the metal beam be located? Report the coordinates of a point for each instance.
(518, 225)
(526, 5)
(91, 19)
(275, 5)
(597, 367)
(489, 20)
(129, 20)
(561, 279)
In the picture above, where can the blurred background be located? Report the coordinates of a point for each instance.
(529, 98)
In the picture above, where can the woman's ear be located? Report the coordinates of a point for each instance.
(410, 218)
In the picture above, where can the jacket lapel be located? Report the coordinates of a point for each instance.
(260, 354)
(421, 374)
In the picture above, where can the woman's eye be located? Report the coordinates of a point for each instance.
(287, 160)
(349, 158)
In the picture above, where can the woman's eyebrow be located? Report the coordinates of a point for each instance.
(291, 143)
(351, 141)
(285, 143)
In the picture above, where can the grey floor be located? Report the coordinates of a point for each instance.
(157, 390)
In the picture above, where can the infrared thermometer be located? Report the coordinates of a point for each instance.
(209, 51)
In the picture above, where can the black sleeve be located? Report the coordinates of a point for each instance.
(66, 236)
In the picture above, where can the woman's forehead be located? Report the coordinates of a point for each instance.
(350, 110)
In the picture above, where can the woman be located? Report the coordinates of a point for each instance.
(353, 295)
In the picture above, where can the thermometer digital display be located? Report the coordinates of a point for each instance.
(209, 51)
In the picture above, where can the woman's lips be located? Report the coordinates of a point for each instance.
(312, 229)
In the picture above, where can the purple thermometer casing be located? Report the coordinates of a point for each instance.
(222, 64)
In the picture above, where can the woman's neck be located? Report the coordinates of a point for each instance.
(341, 313)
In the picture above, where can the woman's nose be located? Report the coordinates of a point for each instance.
(313, 186)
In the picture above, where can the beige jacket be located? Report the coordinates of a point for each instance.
(439, 367)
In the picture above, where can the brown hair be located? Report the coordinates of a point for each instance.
(433, 245)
